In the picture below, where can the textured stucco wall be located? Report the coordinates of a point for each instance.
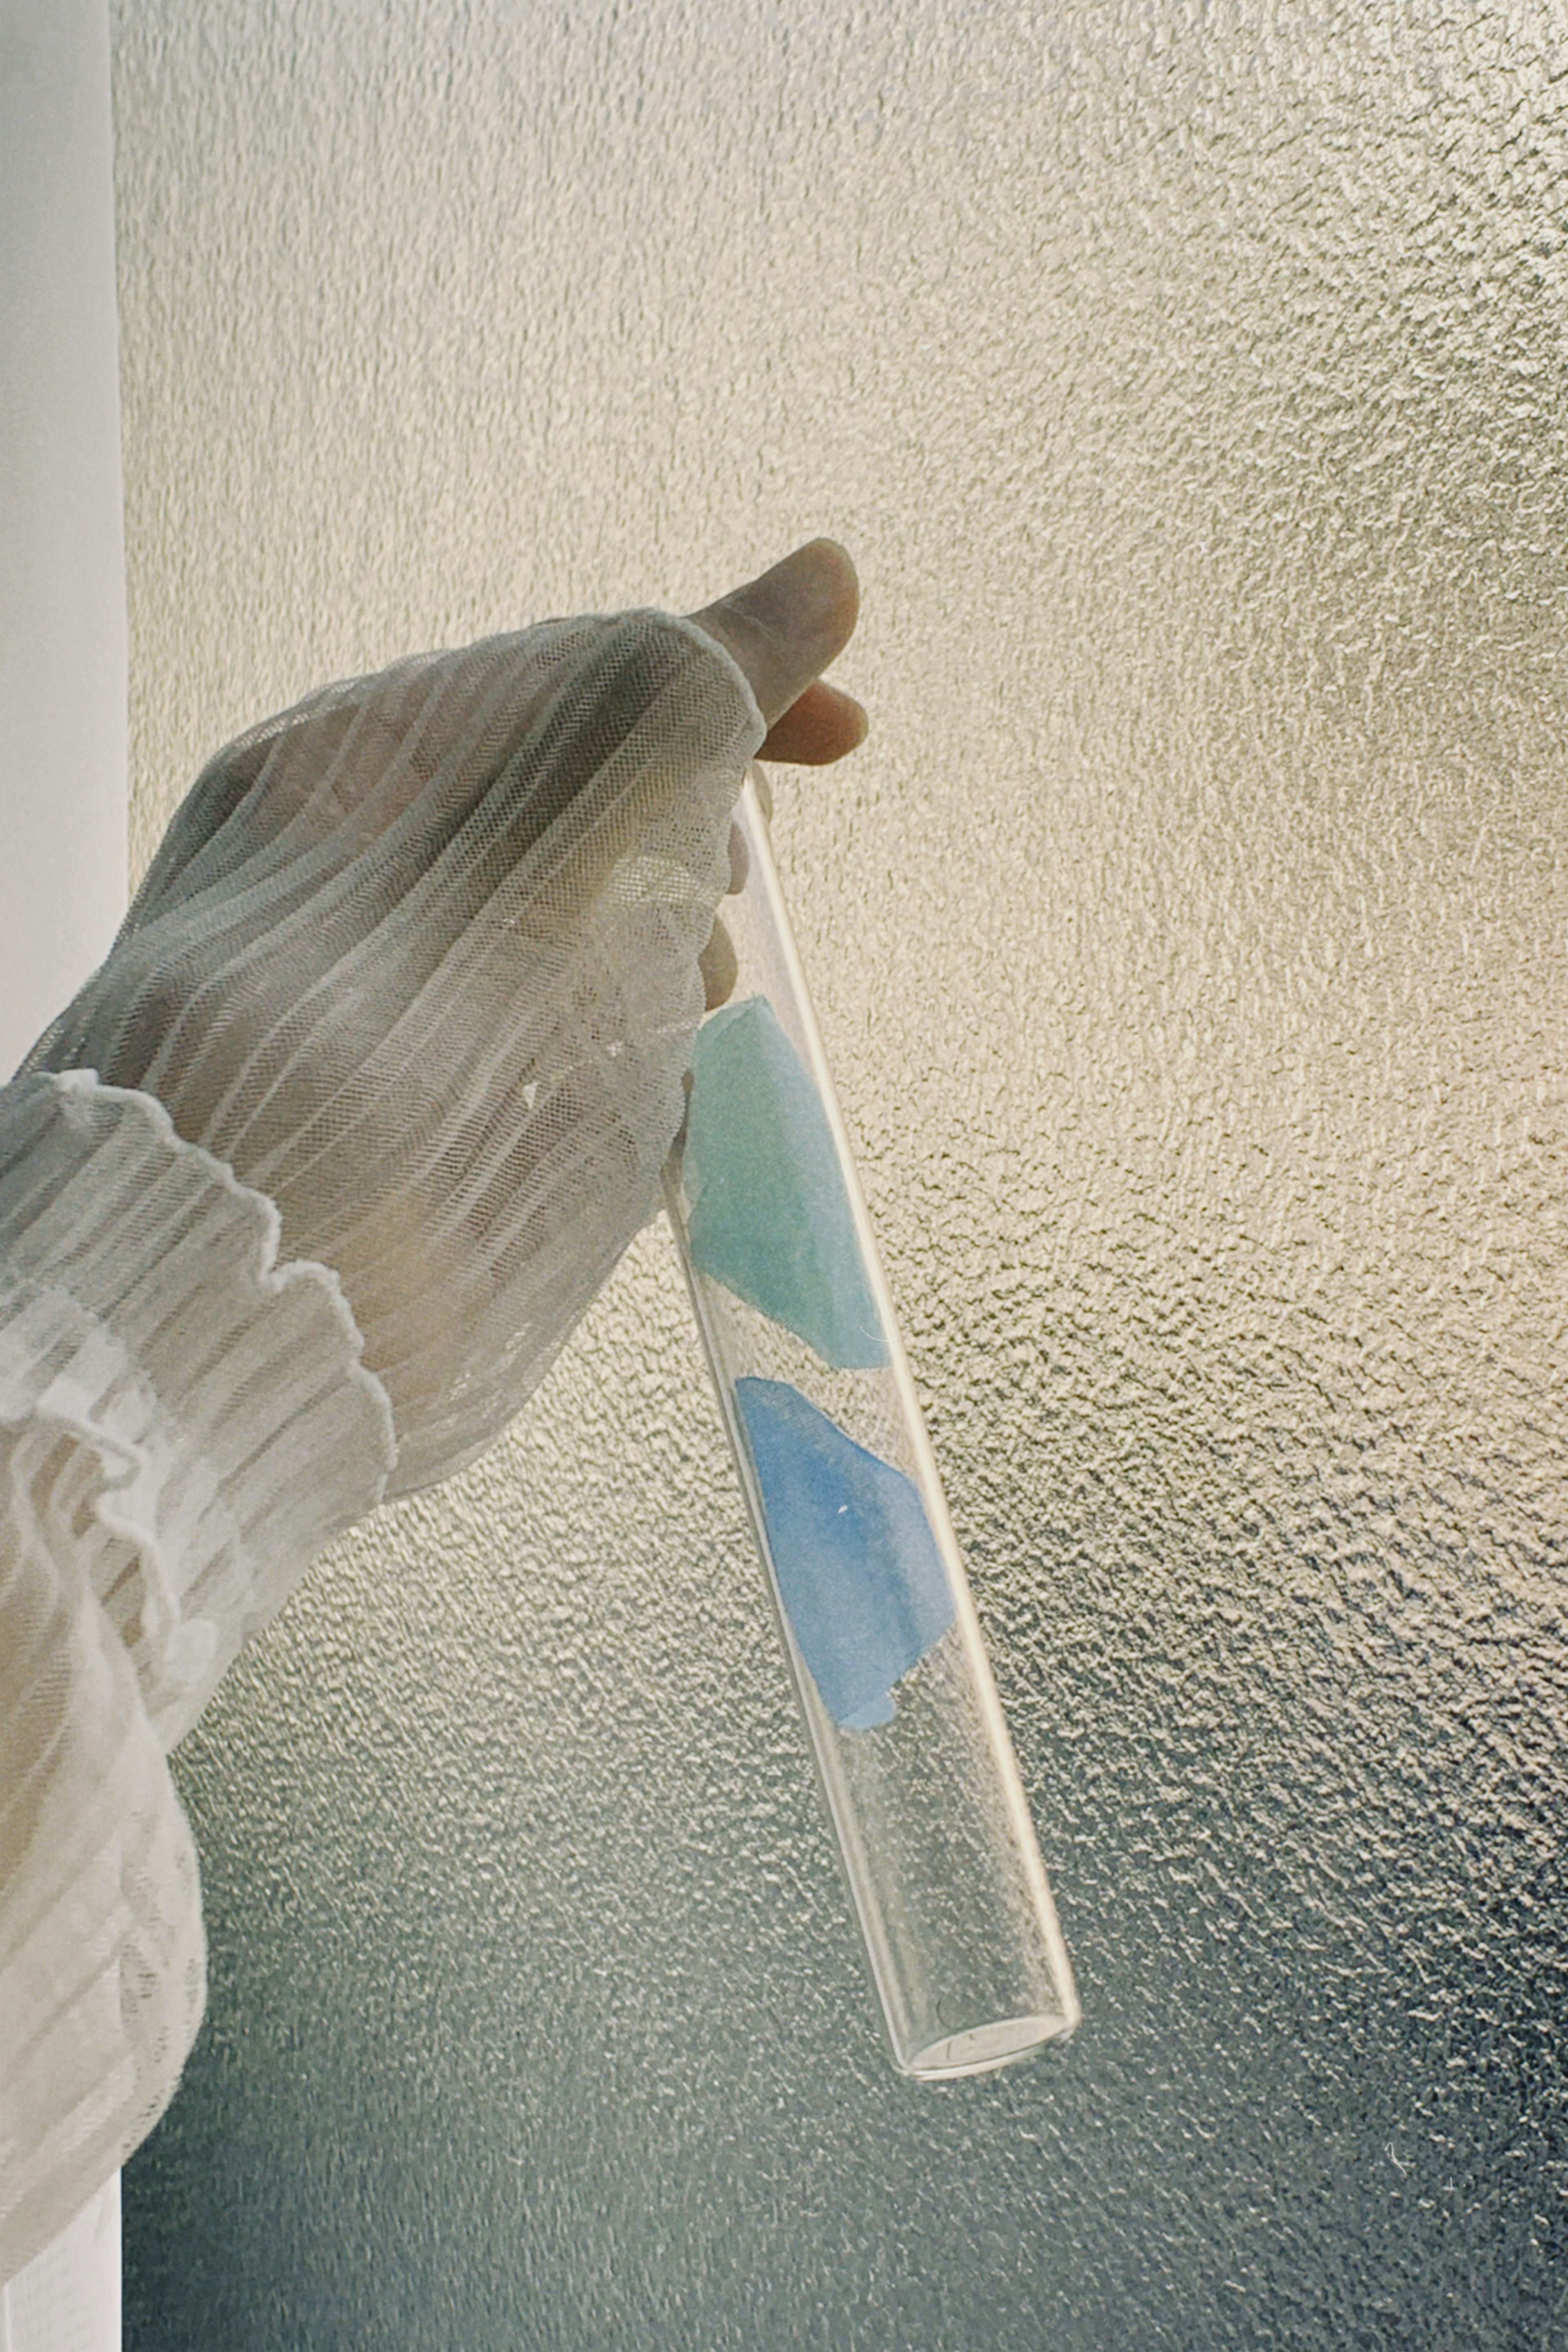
(1190, 944)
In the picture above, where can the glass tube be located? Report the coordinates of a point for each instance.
(867, 1584)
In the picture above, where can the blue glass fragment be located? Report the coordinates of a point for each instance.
(769, 1216)
(860, 1574)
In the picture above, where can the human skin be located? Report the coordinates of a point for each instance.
(784, 628)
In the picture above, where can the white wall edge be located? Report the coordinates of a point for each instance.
(63, 777)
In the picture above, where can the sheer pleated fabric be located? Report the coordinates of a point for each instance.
(141, 1302)
(298, 1200)
(183, 1423)
(102, 1959)
(418, 959)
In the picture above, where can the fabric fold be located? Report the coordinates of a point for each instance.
(141, 1304)
(183, 1423)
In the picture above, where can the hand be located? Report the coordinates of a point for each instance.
(417, 959)
(784, 628)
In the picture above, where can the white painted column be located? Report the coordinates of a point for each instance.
(62, 552)
(62, 702)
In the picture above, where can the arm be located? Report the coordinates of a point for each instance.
(298, 1199)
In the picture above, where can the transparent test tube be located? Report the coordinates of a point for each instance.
(867, 1584)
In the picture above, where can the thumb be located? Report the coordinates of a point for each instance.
(787, 624)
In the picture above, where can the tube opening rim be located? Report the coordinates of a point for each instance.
(985, 2049)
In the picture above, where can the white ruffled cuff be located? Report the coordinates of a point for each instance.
(183, 1422)
(228, 1428)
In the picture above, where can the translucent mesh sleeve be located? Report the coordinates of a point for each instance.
(418, 961)
(391, 1043)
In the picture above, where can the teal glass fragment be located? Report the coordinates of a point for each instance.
(860, 1577)
(769, 1216)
